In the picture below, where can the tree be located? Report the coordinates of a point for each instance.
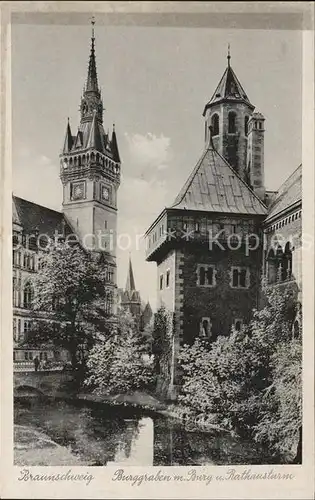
(161, 346)
(68, 303)
(116, 363)
(250, 381)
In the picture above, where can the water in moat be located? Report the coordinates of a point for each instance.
(121, 436)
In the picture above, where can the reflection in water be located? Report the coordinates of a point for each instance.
(119, 435)
(140, 445)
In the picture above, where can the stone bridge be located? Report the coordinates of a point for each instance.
(47, 383)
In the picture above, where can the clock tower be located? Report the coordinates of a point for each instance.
(90, 171)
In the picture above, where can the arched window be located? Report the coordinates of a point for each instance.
(232, 122)
(271, 267)
(238, 324)
(279, 263)
(287, 262)
(28, 296)
(215, 124)
(246, 125)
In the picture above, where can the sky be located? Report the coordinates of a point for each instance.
(155, 82)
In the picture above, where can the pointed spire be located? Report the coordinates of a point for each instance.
(68, 139)
(95, 138)
(148, 308)
(130, 284)
(114, 146)
(92, 83)
(229, 88)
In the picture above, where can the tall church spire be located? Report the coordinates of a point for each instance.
(92, 83)
(130, 284)
(92, 100)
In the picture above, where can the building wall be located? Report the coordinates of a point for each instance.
(220, 303)
(25, 267)
(166, 294)
(284, 231)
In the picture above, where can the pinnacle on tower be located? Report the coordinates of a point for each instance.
(95, 139)
(114, 146)
(229, 55)
(68, 139)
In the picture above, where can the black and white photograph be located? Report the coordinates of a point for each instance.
(157, 243)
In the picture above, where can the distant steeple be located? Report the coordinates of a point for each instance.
(229, 55)
(130, 284)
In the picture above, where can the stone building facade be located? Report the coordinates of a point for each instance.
(212, 246)
(90, 175)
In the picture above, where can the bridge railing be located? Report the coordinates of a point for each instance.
(28, 366)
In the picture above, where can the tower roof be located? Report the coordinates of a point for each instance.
(289, 195)
(130, 284)
(148, 309)
(229, 88)
(214, 186)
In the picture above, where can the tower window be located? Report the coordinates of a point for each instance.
(168, 272)
(215, 124)
(28, 296)
(246, 125)
(232, 122)
(238, 324)
(161, 282)
(205, 275)
(240, 277)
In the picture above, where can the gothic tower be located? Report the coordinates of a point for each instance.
(90, 171)
(228, 113)
(131, 300)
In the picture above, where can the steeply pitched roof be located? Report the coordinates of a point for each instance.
(289, 193)
(114, 146)
(36, 217)
(68, 139)
(130, 284)
(95, 139)
(92, 83)
(214, 186)
(229, 88)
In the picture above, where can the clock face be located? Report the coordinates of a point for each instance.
(78, 191)
(105, 193)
